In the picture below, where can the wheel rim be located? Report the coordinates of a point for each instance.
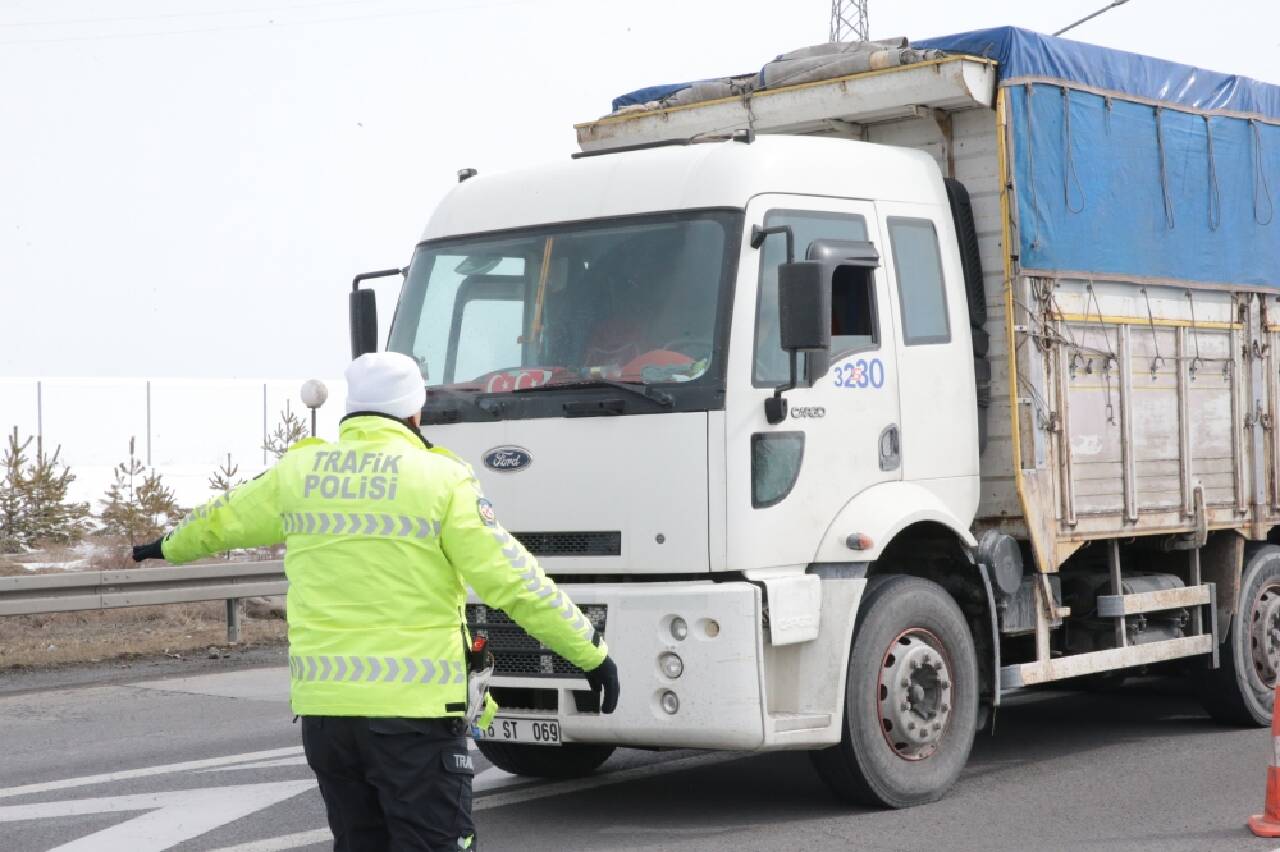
(915, 694)
(1264, 633)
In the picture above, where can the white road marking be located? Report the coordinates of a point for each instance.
(285, 841)
(127, 774)
(594, 782)
(494, 778)
(172, 818)
(295, 760)
(489, 797)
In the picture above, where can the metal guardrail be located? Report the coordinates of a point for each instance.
(86, 590)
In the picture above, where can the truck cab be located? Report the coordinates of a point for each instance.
(601, 337)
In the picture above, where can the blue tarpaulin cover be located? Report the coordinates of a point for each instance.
(1129, 166)
(648, 93)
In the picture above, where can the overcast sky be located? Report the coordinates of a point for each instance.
(188, 186)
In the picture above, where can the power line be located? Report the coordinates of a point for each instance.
(1106, 8)
(849, 18)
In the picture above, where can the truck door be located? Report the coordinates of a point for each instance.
(841, 435)
(921, 263)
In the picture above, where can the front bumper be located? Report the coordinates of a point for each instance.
(720, 691)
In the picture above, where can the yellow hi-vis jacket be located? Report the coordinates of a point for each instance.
(383, 537)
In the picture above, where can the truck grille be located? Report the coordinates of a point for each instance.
(517, 653)
(572, 543)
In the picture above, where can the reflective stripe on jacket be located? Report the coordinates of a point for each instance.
(383, 537)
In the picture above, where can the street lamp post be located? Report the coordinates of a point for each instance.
(314, 393)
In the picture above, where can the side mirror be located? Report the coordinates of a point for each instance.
(804, 320)
(363, 311)
(804, 306)
(364, 322)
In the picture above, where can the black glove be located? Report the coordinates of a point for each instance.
(148, 551)
(605, 676)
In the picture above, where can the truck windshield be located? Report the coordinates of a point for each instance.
(637, 300)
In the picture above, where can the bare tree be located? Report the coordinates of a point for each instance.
(223, 477)
(289, 431)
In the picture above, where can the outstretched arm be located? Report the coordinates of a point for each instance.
(246, 516)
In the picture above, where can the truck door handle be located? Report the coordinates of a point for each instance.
(890, 448)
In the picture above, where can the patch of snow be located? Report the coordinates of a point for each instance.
(74, 565)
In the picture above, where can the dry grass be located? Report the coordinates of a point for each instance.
(72, 637)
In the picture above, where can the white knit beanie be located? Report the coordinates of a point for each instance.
(386, 382)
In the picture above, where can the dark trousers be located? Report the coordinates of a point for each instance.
(392, 785)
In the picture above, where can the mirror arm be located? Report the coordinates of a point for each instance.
(758, 235)
(775, 407)
(381, 273)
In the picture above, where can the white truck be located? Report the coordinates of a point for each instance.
(844, 407)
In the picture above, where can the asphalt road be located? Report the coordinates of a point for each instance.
(210, 760)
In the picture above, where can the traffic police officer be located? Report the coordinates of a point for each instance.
(384, 534)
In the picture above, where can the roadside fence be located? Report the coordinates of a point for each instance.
(96, 590)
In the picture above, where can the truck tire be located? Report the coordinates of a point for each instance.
(904, 745)
(1241, 690)
(571, 760)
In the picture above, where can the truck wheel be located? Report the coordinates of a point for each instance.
(1241, 690)
(911, 698)
(572, 760)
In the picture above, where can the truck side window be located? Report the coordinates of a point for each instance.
(771, 365)
(917, 262)
(853, 311)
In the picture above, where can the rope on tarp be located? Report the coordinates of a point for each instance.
(1111, 352)
(1156, 362)
(1069, 160)
(1215, 196)
(1260, 176)
(1197, 361)
(1164, 174)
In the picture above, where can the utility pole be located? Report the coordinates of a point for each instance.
(849, 20)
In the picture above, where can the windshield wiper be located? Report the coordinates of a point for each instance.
(637, 388)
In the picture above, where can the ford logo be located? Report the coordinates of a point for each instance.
(508, 459)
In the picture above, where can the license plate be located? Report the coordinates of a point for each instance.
(524, 730)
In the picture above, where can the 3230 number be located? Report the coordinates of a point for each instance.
(860, 374)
